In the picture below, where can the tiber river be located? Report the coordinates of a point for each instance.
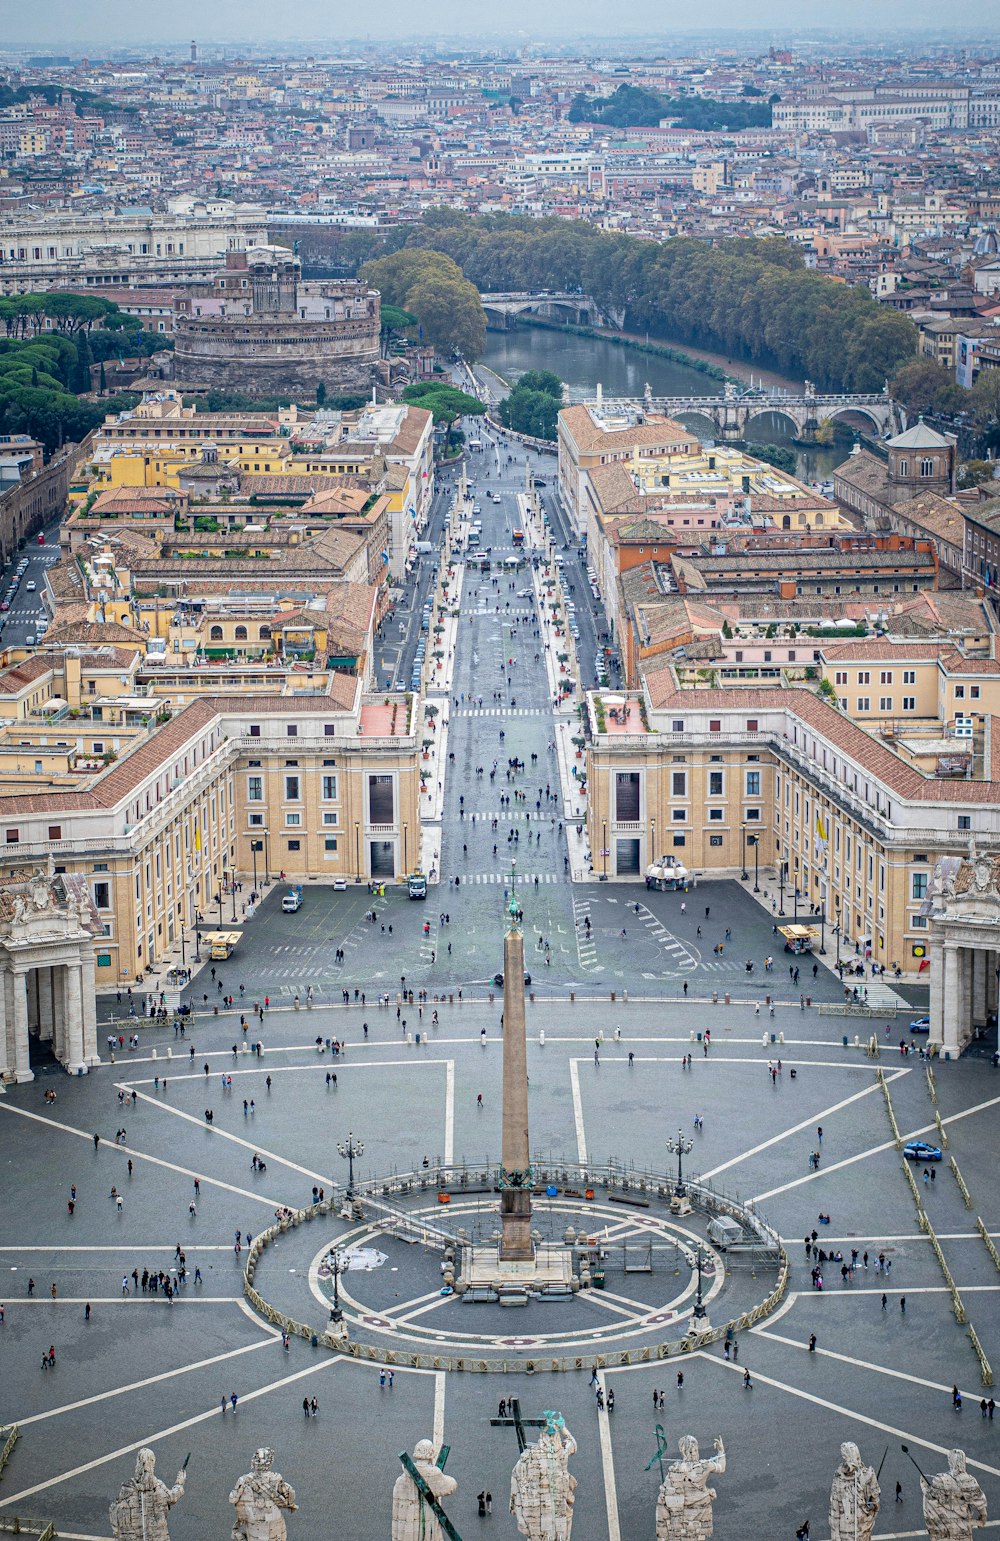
(582, 362)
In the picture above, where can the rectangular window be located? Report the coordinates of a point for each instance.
(291, 730)
(964, 821)
(677, 726)
(715, 784)
(330, 844)
(959, 692)
(974, 692)
(102, 896)
(679, 815)
(753, 815)
(329, 789)
(331, 818)
(380, 800)
(885, 703)
(295, 845)
(103, 960)
(753, 783)
(292, 792)
(715, 725)
(918, 885)
(13, 837)
(679, 840)
(840, 678)
(627, 796)
(255, 820)
(715, 840)
(55, 831)
(886, 677)
(293, 819)
(864, 704)
(864, 677)
(909, 703)
(255, 789)
(751, 725)
(909, 676)
(715, 815)
(678, 784)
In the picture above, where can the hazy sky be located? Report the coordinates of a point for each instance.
(61, 23)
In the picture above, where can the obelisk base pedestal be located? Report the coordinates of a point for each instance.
(483, 1268)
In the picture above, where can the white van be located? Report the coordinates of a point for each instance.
(291, 902)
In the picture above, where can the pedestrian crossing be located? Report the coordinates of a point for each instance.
(522, 879)
(501, 711)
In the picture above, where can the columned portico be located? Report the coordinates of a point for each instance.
(964, 917)
(47, 981)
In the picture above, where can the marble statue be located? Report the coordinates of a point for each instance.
(139, 1513)
(412, 1517)
(854, 1497)
(542, 1487)
(684, 1505)
(259, 1498)
(953, 1502)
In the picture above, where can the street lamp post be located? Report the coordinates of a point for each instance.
(218, 898)
(337, 1266)
(795, 904)
(822, 929)
(755, 842)
(183, 957)
(782, 872)
(604, 844)
(680, 1148)
(232, 884)
(267, 857)
(351, 1149)
(198, 922)
(255, 846)
(699, 1313)
(743, 873)
(836, 930)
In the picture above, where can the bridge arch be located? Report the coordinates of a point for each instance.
(874, 419)
(772, 410)
(700, 422)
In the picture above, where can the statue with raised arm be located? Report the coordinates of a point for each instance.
(684, 1504)
(542, 1488)
(140, 1511)
(953, 1502)
(259, 1498)
(413, 1519)
(854, 1497)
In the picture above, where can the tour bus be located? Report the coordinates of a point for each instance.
(473, 538)
(518, 539)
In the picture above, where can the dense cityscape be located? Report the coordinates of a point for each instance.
(498, 641)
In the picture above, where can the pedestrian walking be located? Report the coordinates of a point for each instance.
(899, 1492)
(233, 1398)
(305, 1407)
(747, 1382)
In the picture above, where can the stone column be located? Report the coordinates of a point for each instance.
(91, 1054)
(979, 962)
(48, 1023)
(938, 955)
(964, 1024)
(6, 1025)
(73, 996)
(19, 1003)
(952, 1002)
(992, 985)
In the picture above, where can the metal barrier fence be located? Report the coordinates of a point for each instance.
(13, 1433)
(21, 1525)
(611, 1176)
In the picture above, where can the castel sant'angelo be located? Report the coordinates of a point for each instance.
(259, 328)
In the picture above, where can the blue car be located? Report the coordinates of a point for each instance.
(919, 1150)
(920, 1025)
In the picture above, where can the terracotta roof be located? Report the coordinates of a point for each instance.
(591, 439)
(832, 726)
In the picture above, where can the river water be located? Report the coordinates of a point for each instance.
(585, 362)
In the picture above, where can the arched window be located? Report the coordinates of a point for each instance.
(241, 633)
(786, 522)
(265, 633)
(215, 634)
(927, 468)
(904, 468)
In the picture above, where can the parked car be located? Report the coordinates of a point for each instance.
(498, 980)
(919, 1150)
(920, 1025)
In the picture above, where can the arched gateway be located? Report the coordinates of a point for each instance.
(48, 1004)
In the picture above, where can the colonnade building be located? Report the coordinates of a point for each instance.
(779, 784)
(319, 787)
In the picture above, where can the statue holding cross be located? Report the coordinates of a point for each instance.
(417, 1513)
(542, 1488)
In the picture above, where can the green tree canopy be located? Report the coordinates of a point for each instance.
(445, 402)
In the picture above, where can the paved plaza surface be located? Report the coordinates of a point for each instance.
(620, 1004)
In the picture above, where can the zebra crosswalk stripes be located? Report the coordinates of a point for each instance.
(500, 711)
(521, 879)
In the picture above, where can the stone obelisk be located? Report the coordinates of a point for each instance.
(515, 1172)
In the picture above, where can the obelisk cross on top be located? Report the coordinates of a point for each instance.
(515, 1169)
